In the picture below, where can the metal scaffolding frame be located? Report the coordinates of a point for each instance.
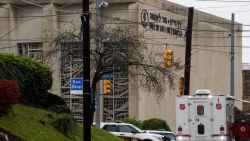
(116, 105)
(71, 67)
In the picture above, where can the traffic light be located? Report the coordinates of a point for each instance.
(181, 85)
(168, 58)
(106, 86)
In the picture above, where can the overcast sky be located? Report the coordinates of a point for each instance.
(225, 10)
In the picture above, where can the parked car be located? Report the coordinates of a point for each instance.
(128, 130)
(168, 136)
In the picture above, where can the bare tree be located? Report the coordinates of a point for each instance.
(120, 46)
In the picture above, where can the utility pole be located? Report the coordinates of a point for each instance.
(188, 51)
(98, 42)
(86, 71)
(232, 58)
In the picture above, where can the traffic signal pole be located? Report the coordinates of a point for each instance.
(86, 71)
(98, 46)
(188, 51)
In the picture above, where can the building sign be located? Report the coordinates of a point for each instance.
(107, 76)
(157, 22)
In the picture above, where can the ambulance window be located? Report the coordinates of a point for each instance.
(200, 110)
(201, 129)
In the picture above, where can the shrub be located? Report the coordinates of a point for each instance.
(33, 78)
(50, 100)
(65, 124)
(9, 94)
(60, 109)
(133, 121)
(155, 124)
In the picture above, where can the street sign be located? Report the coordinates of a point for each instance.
(76, 86)
(107, 76)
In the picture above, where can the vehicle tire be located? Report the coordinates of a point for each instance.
(147, 140)
(167, 139)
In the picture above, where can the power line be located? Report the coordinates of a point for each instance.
(59, 9)
(18, 26)
(92, 13)
(167, 9)
(147, 38)
(195, 30)
(12, 30)
(173, 45)
(222, 6)
(145, 43)
(41, 16)
(70, 12)
(202, 49)
(39, 5)
(217, 51)
(217, 46)
(224, 1)
(126, 21)
(25, 39)
(7, 47)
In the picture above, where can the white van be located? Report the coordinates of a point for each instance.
(204, 117)
(128, 130)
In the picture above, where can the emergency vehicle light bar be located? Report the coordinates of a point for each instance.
(203, 92)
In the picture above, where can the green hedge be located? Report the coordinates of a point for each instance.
(65, 124)
(34, 78)
(49, 100)
(60, 109)
(155, 124)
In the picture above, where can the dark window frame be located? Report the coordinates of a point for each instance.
(105, 127)
(200, 110)
(201, 129)
(133, 130)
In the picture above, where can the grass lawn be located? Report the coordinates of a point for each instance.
(33, 124)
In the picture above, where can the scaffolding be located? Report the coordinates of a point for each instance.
(71, 67)
(116, 105)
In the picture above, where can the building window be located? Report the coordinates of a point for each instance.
(32, 50)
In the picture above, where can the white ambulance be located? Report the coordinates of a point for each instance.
(204, 117)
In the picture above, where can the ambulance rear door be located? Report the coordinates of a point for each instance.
(200, 117)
